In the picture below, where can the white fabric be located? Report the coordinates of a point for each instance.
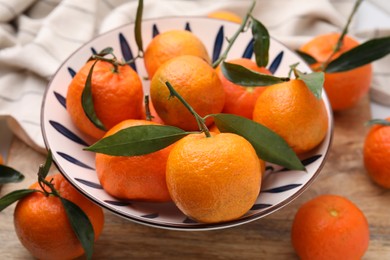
(36, 36)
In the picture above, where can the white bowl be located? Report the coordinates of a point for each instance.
(280, 186)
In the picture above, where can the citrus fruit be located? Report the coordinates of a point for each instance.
(344, 89)
(241, 100)
(330, 227)
(134, 177)
(291, 110)
(213, 179)
(170, 44)
(42, 225)
(196, 81)
(116, 96)
(376, 154)
(225, 15)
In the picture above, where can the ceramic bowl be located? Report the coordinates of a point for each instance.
(280, 186)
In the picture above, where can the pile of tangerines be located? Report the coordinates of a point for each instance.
(180, 153)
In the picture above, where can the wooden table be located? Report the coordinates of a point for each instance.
(266, 238)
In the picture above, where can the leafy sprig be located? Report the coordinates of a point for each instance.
(365, 53)
(79, 221)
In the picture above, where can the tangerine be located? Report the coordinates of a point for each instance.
(134, 177)
(196, 81)
(213, 179)
(117, 95)
(42, 225)
(376, 154)
(330, 227)
(225, 15)
(241, 100)
(291, 110)
(170, 44)
(344, 89)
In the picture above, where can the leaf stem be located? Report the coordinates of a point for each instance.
(234, 37)
(201, 121)
(339, 43)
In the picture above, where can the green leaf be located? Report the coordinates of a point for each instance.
(9, 175)
(378, 122)
(269, 146)
(81, 226)
(106, 51)
(138, 140)
(14, 196)
(261, 42)
(248, 78)
(314, 81)
(306, 57)
(362, 54)
(138, 27)
(87, 101)
(44, 169)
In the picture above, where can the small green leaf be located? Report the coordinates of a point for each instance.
(106, 51)
(362, 54)
(306, 57)
(87, 101)
(138, 140)
(314, 81)
(9, 175)
(44, 169)
(14, 196)
(269, 146)
(137, 27)
(248, 78)
(81, 226)
(261, 42)
(383, 122)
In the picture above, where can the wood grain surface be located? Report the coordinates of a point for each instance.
(266, 238)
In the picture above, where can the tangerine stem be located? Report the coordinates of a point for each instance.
(201, 122)
(234, 37)
(342, 35)
(148, 115)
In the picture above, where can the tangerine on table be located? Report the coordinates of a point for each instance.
(116, 95)
(42, 225)
(330, 227)
(241, 100)
(344, 89)
(170, 44)
(196, 81)
(225, 15)
(291, 110)
(134, 177)
(213, 179)
(376, 154)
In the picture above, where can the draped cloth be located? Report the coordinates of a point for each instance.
(36, 36)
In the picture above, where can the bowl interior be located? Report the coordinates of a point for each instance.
(279, 187)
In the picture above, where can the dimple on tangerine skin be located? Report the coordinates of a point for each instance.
(213, 179)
